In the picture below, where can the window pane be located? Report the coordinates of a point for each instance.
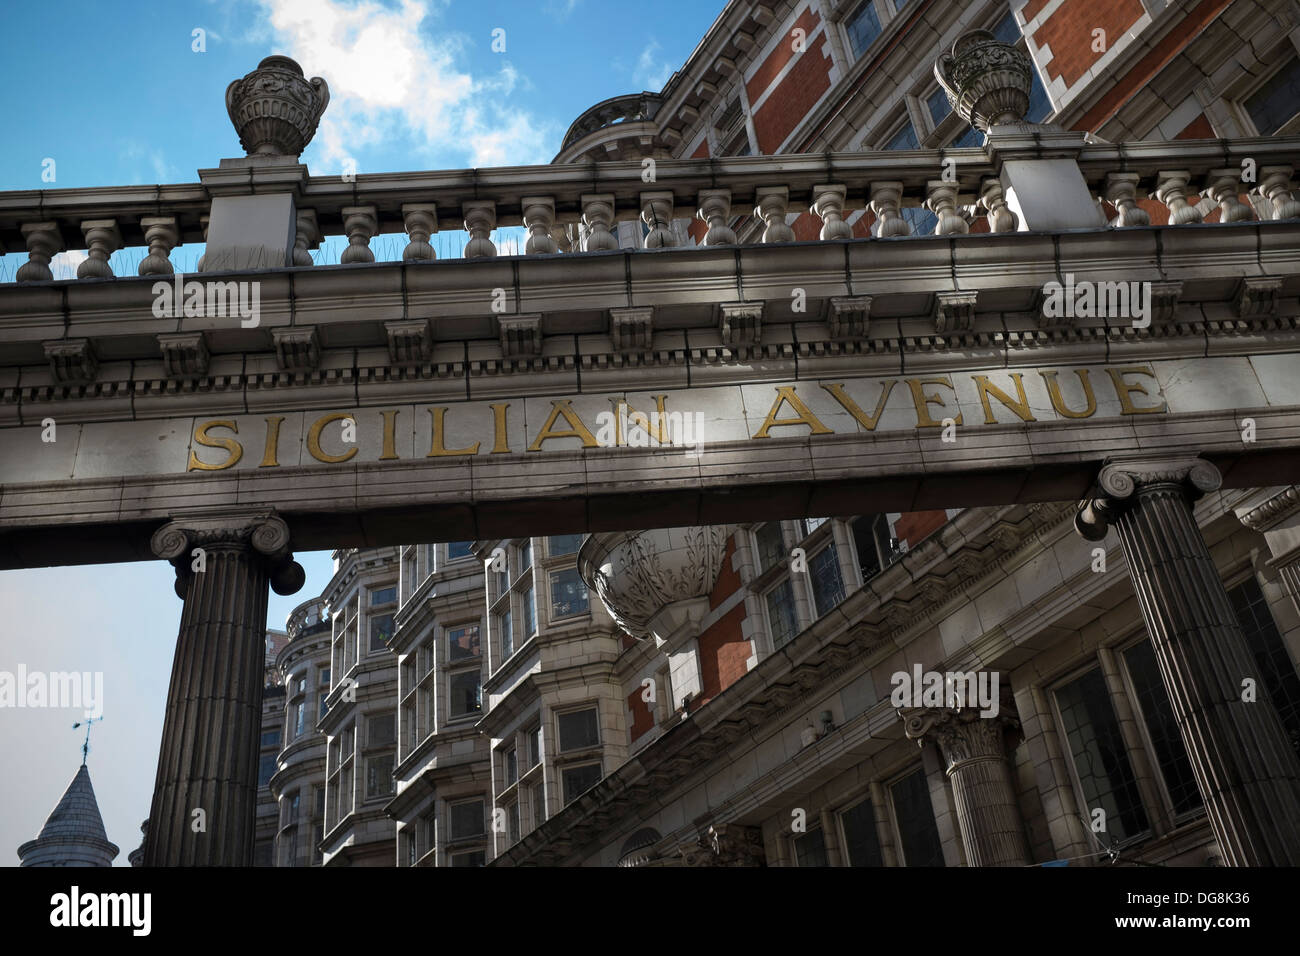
(379, 775)
(780, 613)
(526, 554)
(564, 544)
(512, 816)
(1100, 759)
(465, 693)
(381, 631)
(300, 718)
(861, 842)
(462, 643)
(972, 137)
(477, 858)
(863, 27)
(382, 729)
(1039, 102)
(915, 817)
(1277, 100)
(866, 539)
(507, 636)
(1158, 715)
(810, 848)
(459, 549)
(271, 738)
(467, 819)
(265, 769)
(530, 614)
(535, 746)
(905, 138)
(578, 729)
(828, 584)
(771, 546)
(922, 221)
(578, 780)
(937, 103)
(383, 596)
(1276, 671)
(512, 767)
(568, 594)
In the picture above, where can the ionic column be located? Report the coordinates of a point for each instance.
(992, 831)
(1245, 768)
(1275, 514)
(208, 757)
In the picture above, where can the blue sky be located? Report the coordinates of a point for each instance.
(115, 94)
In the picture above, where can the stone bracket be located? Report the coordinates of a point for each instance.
(849, 317)
(297, 349)
(632, 329)
(185, 354)
(72, 361)
(954, 311)
(1257, 296)
(410, 341)
(740, 323)
(521, 335)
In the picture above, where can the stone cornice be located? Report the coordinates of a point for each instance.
(1279, 507)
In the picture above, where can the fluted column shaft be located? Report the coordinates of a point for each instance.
(988, 815)
(1248, 775)
(208, 757)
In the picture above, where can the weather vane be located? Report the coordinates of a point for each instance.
(85, 747)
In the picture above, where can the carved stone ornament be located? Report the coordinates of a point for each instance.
(275, 109)
(987, 81)
(636, 574)
(262, 534)
(1120, 480)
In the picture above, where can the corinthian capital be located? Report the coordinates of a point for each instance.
(962, 734)
(1119, 481)
(261, 535)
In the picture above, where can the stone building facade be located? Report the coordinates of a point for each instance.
(952, 667)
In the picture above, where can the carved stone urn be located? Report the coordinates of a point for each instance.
(987, 81)
(275, 109)
(655, 583)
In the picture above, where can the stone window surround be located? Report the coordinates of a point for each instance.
(449, 670)
(1236, 93)
(449, 846)
(1161, 818)
(520, 582)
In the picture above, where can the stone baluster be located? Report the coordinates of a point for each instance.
(1275, 186)
(43, 241)
(563, 241)
(1223, 187)
(480, 220)
(1121, 192)
(102, 239)
(657, 214)
(162, 236)
(360, 224)
(421, 222)
(1172, 191)
(941, 199)
(999, 214)
(539, 219)
(204, 221)
(770, 205)
(306, 236)
(208, 757)
(1247, 772)
(598, 217)
(828, 206)
(975, 756)
(715, 209)
(886, 198)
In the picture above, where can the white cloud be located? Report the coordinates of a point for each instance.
(64, 264)
(652, 72)
(560, 9)
(393, 86)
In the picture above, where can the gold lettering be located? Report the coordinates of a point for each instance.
(1058, 403)
(437, 436)
(785, 393)
(923, 401)
(641, 421)
(501, 441)
(576, 428)
(390, 434)
(1123, 389)
(270, 456)
(866, 421)
(313, 440)
(1020, 408)
(202, 437)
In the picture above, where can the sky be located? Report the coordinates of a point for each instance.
(119, 94)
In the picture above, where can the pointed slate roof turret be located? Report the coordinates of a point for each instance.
(74, 833)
